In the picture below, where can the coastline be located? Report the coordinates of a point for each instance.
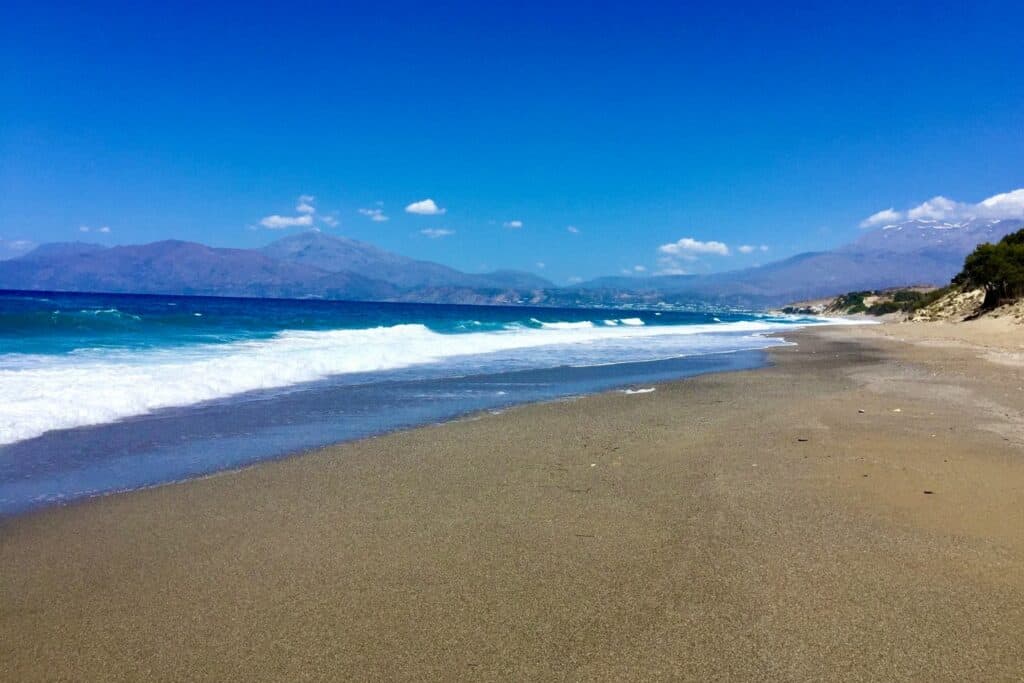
(66, 467)
(742, 525)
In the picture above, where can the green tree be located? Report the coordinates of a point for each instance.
(996, 268)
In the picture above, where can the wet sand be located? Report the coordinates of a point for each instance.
(855, 511)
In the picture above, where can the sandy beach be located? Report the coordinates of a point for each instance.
(855, 511)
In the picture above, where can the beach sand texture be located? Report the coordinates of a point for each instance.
(854, 512)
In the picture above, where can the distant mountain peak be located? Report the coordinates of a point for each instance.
(915, 251)
(953, 238)
(923, 223)
(973, 222)
(335, 253)
(61, 249)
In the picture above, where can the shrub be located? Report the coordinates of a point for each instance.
(907, 295)
(884, 307)
(852, 302)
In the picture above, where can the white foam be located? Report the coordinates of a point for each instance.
(631, 392)
(42, 393)
(583, 324)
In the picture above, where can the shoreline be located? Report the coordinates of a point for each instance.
(608, 378)
(746, 524)
(470, 416)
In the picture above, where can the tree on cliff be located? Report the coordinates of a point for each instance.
(996, 268)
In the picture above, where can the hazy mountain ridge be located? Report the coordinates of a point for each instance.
(305, 265)
(159, 267)
(314, 264)
(336, 254)
(911, 252)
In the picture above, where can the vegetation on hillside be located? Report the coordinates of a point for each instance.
(998, 269)
(993, 274)
(882, 302)
(906, 301)
(852, 302)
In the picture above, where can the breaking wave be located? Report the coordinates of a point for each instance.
(41, 392)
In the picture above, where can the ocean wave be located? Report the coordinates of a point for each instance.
(112, 312)
(579, 325)
(45, 392)
(629, 322)
(22, 324)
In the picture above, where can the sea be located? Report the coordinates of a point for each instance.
(102, 393)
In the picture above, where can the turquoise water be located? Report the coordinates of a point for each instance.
(108, 392)
(54, 323)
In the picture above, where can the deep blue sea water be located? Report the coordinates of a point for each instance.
(102, 393)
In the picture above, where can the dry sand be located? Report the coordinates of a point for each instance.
(998, 339)
(745, 526)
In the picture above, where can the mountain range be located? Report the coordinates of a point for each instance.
(910, 252)
(315, 264)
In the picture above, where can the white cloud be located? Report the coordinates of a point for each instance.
(105, 228)
(515, 225)
(83, 228)
(541, 265)
(745, 249)
(436, 233)
(425, 207)
(1006, 205)
(86, 228)
(936, 208)
(329, 221)
(884, 216)
(575, 279)
(573, 229)
(640, 269)
(276, 222)
(304, 207)
(305, 204)
(688, 247)
(375, 215)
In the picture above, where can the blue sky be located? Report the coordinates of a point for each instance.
(638, 124)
